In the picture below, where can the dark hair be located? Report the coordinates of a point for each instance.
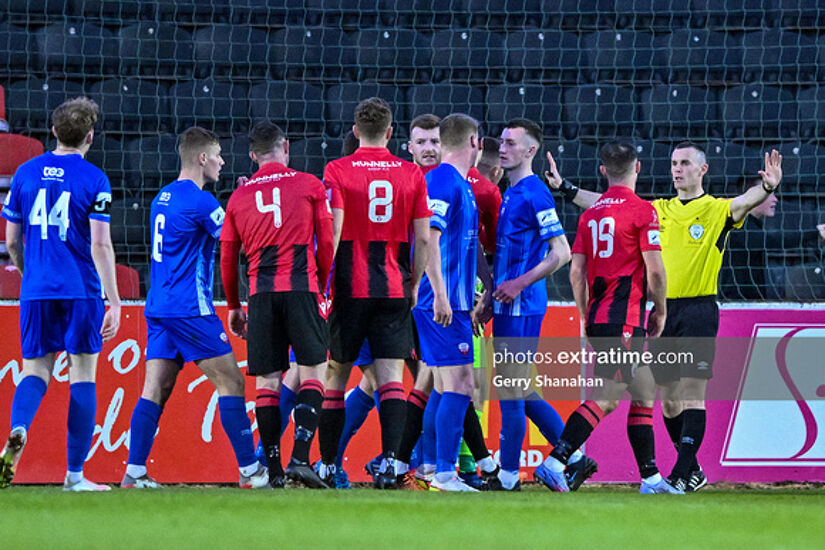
(690, 145)
(489, 150)
(618, 158)
(350, 144)
(426, 121)
(73, 119)
(455, 129)
(531, 128)
(194, 141)
(265, 136)
(372, 118)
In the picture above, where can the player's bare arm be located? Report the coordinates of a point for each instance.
(578, 280)
(421, 232)
(580, 197)
(558, 256)
(756, 195)
(236, 318)
(14, 244)
(657, 288)
(337, 227)
(103, 254)
(442, 311)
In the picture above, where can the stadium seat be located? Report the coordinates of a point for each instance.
(651, 14)
(802, 167)
(16, 149)
(312, 154)
(308, 53)
(235, 153)
(654, 179)
(578, 15)
(758, 111)
(698, 56)
(37, 11)
(349, 15)
(811, 111)
(443, 99)
(220, 106)
(192, 11)
(29, 102)
(128, 282)
(342, 99)
(805, 282)
(130, 104)
(123, 10)
(17, 51)
(679, 111)
(506, 14)
(775, 55)
(10, 280)
(620, 55)
(296, 106)
(598, 110)
(473, 55)
(131, 231)
(577, 161)
(156, 49)
(539, 103)
(266, 14)
(801, 14)
(734, 14)
(151, 162)
(231, 50)
(394, 56)
(728, 164)
(424, 14)
(72, 46)
(545, 56)
(108, 154)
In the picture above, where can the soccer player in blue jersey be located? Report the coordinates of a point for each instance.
(447, 292)
(58, 237)
(530, 246)
(182, 325)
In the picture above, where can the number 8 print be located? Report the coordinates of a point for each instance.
(376, 201)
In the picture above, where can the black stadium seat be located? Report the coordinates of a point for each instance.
(698, 56)
(231, 50)
(811, 111)
(395, 56)
(342, 99)
(312, 154)
(468, 55)
(220, 106)
(758, 111)
(443, 99)
(29, 102)
(577, 161)
(728, 163)
(598, 110)
(679, 111)
(37, 11)
(505, 14)
(108, 154)
(129, 104)
(544, 55)
(308, 53)
(424, 14)
(734, 14)
(296, 106)
(72, 46)
(624, 55)
(776, 55)
(647, 14)
(151, 162)
(540, 103)
(104, 9)
(156, 49)
(192, 11)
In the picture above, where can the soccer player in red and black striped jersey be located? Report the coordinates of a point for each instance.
(616, 258)
(284, 222)
(487, 193)
(379, 202)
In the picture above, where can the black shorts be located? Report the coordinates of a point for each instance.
(604, 337)
(690, 332)
(278, 320)
(385, 322)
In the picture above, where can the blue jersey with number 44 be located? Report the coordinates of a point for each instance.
(53, 197)
(186, 224)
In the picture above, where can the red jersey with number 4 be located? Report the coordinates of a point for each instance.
(380, 195)
(612, 234)
(283, 219)
(488, 198)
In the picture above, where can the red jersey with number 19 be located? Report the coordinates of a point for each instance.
(283, 219)
(612, 234)
(380, 195)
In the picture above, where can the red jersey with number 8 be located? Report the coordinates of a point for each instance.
(283, 219)
(612, 234)
(380, 195)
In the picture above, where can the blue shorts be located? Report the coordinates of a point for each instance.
(445, 346)
(364, 356)
(517, 333)
(184, 339)
(50, 326)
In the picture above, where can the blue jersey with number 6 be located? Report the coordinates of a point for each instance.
(53, 197)
(186, 224)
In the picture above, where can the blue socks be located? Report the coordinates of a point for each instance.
(236, 425)
(26, 401)
(428, 441)
(82, 408)
(358, 407)
(449, 425)
(513, 428)
(288, 398)
(545, 417)
(142, 430)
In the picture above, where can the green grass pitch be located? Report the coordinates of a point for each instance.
(593, 518)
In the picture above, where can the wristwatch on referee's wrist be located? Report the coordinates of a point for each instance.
(766, 189)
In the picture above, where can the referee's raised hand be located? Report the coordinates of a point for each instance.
(772, 174)
(552, 176)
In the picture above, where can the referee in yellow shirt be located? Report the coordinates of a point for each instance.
(694, 229)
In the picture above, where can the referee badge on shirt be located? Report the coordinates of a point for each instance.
(696, 231)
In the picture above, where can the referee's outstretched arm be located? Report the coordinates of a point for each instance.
(756, 195)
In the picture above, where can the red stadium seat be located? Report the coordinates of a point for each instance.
(10, 280)
(16, 150)
(128, 282)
